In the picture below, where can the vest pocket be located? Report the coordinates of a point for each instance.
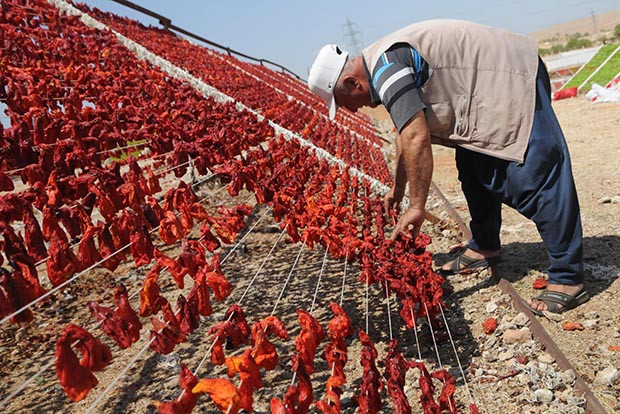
(439, 117)
(466, 115)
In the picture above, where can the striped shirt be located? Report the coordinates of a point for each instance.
(397, 77)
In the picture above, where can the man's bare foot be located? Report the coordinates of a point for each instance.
(474, 254)
(572, 290)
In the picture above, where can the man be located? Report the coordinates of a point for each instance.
(485, 92)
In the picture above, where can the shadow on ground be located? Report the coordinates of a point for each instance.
(600, 260)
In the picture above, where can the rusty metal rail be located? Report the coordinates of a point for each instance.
(452, 212)
(593, 405)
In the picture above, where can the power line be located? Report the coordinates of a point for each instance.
(595, 26)
(354, 43)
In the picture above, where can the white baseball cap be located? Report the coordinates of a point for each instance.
(324, 74)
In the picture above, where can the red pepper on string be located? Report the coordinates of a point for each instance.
(151, 301)
(369, 399)
(427, 389)
(308, 340)
(121, 324)
(446, 397)
(75, 375)
(298, 398)
(395, 369)
(185, 403)
(234, 330)
(263, 351)
(166, 335)
(222, 392)
(336, 356)
(250, 377)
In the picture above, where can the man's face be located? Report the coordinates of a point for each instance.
(352, 99)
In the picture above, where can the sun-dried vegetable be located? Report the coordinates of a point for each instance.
(76, 375)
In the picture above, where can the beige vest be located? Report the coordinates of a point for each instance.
(481, 90)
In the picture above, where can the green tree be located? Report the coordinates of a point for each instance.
(544, 52)
(576, 42)
(617, 31)
(557, 49)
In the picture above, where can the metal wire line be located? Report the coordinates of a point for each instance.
(12, 172)
(260, 268)
(415, 333)
(204, 358)
(389, 313)
(126, 147)
(288, 278)
(111, 385)
(153, 157)
(77, 275)
(430, 325)
(173, 168)
(458, 360)
(48, 365)
(63, 284)
(27, 382)
(318, 283)
(119, 376)
(231, 251)
(281, 294)
(316, 291)
(42, 261)
(206, 355)
(51, 360)
(344, 276)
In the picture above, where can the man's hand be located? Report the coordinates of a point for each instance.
(392, 199)
(412, 216)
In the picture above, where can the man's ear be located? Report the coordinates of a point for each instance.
(350, 83)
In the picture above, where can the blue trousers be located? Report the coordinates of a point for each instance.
(541, 188)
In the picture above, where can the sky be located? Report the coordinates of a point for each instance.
(291, 32)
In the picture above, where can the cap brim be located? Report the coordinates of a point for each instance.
(332, 108)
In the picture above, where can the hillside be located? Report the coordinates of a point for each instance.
(604, 23)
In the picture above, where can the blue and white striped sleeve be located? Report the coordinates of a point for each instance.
(397, 84)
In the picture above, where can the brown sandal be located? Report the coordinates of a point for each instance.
(469, 264)
(558, 302)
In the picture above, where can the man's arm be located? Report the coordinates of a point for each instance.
(400, 178)
(416, 158)
(395, 195)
